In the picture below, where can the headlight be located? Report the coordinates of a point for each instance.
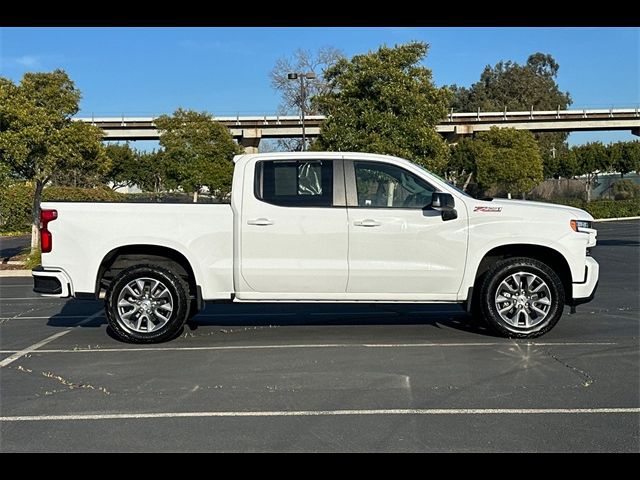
(580, 225)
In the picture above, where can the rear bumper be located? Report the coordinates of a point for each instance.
(51, 282)
(584, 291)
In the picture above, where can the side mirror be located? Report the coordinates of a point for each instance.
(444, 203)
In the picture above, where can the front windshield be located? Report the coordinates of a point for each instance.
(457, 189)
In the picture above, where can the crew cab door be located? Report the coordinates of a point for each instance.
(397, 244)
(294, 227)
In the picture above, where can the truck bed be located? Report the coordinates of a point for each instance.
(85, 233)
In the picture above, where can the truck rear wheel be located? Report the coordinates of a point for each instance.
(147, 304)
(521, 298)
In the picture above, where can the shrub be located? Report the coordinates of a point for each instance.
(625, 190)
(604, 208)
(613, 208)
(16, 202)
(558, 188)
(76, 194)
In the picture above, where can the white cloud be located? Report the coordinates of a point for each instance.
(28, 61)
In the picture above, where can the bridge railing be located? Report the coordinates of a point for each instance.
(452, 116)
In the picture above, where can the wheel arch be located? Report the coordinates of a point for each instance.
(547, 255)
(125, 256)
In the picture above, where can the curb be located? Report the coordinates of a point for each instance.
(621, 219)
(15, 273)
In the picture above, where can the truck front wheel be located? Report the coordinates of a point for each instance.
(147, 304)
(521, 298)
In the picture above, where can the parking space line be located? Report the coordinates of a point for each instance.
(31, 348)
(43, 318)
(310, 345)
(21, 353)
(325, 413)
(32, 298)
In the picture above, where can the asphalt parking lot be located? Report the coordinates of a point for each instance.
(327, 377)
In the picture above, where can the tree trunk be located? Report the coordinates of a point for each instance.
(195, 196)
(588, 185)
(35, 226)
(467, 181)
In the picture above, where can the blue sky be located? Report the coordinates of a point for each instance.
(147, 71)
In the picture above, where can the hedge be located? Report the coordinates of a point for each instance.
(16, 202)
(605, 208)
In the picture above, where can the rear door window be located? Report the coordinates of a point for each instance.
(295, 183)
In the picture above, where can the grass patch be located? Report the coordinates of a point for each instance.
(33, 259)
(15, 233)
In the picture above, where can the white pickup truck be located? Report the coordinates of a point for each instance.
(321, 227)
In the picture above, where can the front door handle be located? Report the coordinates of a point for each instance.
(262, 222)
(367, 223)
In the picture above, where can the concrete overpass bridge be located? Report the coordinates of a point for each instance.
(249, 130)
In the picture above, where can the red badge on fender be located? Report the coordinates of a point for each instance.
(487, 209)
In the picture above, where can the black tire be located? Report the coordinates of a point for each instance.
(501, 271)
(178, 289)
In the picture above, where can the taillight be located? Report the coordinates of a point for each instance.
(46, 240)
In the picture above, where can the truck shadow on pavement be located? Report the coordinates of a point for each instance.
(457, 320)
(74, 312)
(618, 243)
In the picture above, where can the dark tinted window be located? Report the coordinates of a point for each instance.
(382, 185)
(289, 183)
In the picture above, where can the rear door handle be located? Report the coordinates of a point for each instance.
(367, 223)
(262, 222)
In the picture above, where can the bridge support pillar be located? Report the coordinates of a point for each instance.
(636, 131)
(459, 131)
(250, 139)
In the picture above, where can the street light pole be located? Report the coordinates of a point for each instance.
(302, 105)
(303, 99)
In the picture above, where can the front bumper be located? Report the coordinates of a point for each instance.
(51, 282)
(584, 291)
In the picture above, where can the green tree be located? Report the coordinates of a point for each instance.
(156, 172)
(560, 163)
(385, 102)
(38, 138)
(508, 159)
(125, 167)
(6, 176)
(632, 158)
(462, 163)
(199, 150)
(567, 165)
(591, 158)
(514, 87)
(624, 157)
(150, 171)
(511, 86)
